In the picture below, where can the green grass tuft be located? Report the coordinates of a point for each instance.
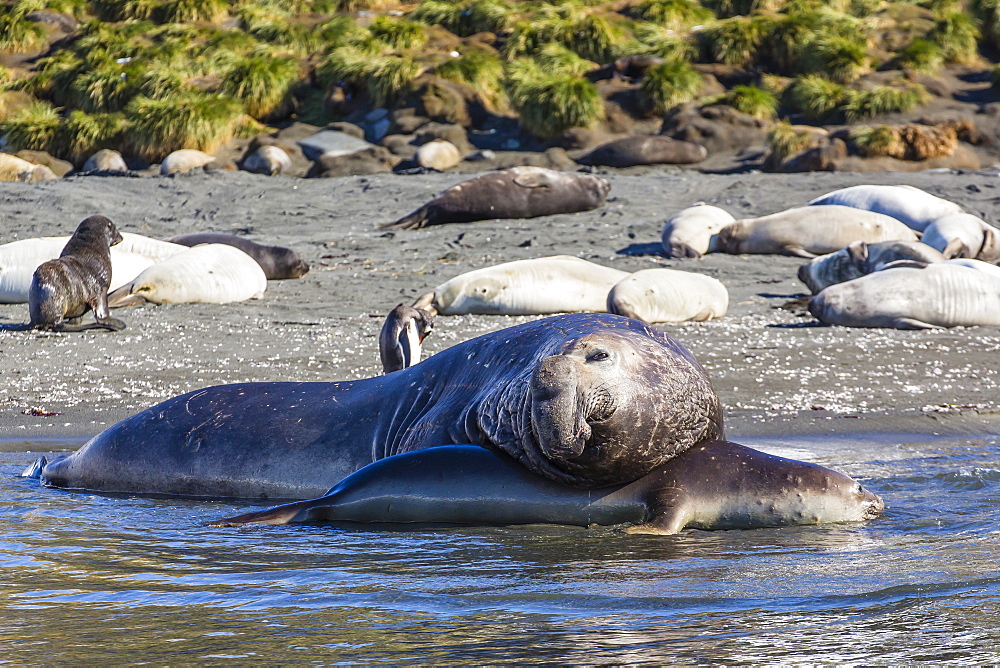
(398, 33)
(987, 12)
(125, 10)
(34, 127)
(659, 41)
(481, 71)
(673, 14)
(840, 59)
(555, 58)
(385, 78)
(157, 128)
(551, 103)
(861, 104)
(922, 56)
(191, 11)
(669, 84)
(957, 36)
(84, 134)
(19, 35)
(783, 141)
(877, 141)
(751, 100)
(815, 96)
(264, 83)
(735, 41)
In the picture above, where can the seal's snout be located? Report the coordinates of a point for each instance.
(873, 504)
(805, 277)
(559, 424)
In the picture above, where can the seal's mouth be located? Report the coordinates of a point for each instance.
(873, 505)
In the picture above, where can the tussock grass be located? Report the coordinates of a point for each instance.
(751, 100)
(673, 14)
(385, 78)
(481, 71)
(191, 11)
(815, 96)
(921, 55)
(589, 35)
(551, 103)
(861, 104)
(557, 58)
(84, 134)
(957, 36)
(840, 59)
(987, 12)
(783, 141)
(874, 141)
(465, 18)
(125, 10)
(398, 33)
(735, 41)
(671, 83)
(34, 127)
(264, 83)
(18, 34)
(106, 88)
(659, 41)
(194, 120)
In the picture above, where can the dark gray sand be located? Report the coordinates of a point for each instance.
(775, 374)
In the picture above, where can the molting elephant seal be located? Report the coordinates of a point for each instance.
(277, 262)
(914, 207)
(693, 231)
(713, 485)
(585, 399)
(860, 258)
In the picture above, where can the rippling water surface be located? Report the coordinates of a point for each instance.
(90, 578)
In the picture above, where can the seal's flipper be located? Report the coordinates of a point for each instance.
(797, 251)
(18, 327)
(413, 221)
(34, 469)
(533, 179)
(279, 515)
(111, 324)
(124, 296)
(913, 323)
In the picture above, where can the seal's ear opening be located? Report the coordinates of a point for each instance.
(858, 252)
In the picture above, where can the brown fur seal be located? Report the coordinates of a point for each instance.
(64, 289)
(277, 262)
(518, 192)
(648, 150)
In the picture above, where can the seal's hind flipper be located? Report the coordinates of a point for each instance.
(34, 469)
(18, 327)
(111, 324)
(413, 221)
(278, 515)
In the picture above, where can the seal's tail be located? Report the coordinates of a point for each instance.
(279, 515)
(413, 221)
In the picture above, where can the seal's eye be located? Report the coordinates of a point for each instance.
(599, 356)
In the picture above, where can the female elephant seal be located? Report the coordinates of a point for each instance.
(963, 235)
(939, 295)
(668, 295)
(585, 399)
(518, 192)
(693, 231)
(277, 262)
(860, 258)
(808, 231)
(714, 485)
(64, 289)
(208, 274)
(914, 207)
(645, 150)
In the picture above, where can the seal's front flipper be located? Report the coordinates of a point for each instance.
(664, 522)
(279, 515)
(913, 323)
(34, 470)
(123, 296)
(112, 324)
(797, 251)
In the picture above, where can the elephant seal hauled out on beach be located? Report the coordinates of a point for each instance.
(64, 289)
(277, 262)
(914, 207)
(693, 231)
(860, 258)
(713, 485)
(518, 192)
(585, 399)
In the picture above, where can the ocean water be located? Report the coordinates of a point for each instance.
(100, 579)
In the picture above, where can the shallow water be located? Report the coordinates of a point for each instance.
(91, 578)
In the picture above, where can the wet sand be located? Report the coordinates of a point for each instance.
(776, 374)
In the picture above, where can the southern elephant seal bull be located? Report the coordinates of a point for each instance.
(518, 192)
(64, 289)
(208, 274)
(693, 231)
(938, 295)
(540, 286)
(668, 295)
(19, 259)
(585, 399)
(277, 262)
(963, 235)
(914, 207)
(713, 485)
(860, 258)
(645, 150)
(402, 333)
(808, 231)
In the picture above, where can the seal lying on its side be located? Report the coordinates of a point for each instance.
(808, 231)
(963, 235)
(64, 289)
(404, 329)
(860, 258)
(540, 286)
(939, 295)
(645, 150)
(518, 192)
(693, 231)
(668, 295)
(714, 485)
(277, 262)
(585, 399)
(914, 207)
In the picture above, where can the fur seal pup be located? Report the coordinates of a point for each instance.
(938, 295)
(860, 258)
(808, 231)
(208, 274)
(668, 295)
(64, 289)
(277, 262)
(540, 286)
(694, 231)
(914, 207)
(404, 329)
(518, 192)
(586, 399)
(714, 485)
(963, 235)
(645, 150)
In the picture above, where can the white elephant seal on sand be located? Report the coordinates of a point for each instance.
(693, 231)
(438, 154)
(914, 207)
(668, 295)
(963, 235)
(184, 160)
(938, 295)
(401, 336)
(859, 258)
(714, 485)
(210, 274)
(585, 399)
(64, 289)
(807, 231)
(518, 192)
(106, 160)
(540, 286)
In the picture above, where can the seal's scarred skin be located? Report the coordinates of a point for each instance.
(713, 485)
(64, 289)
(518, 192)
(584, 399)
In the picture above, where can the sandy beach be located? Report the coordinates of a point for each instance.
(775, 370)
